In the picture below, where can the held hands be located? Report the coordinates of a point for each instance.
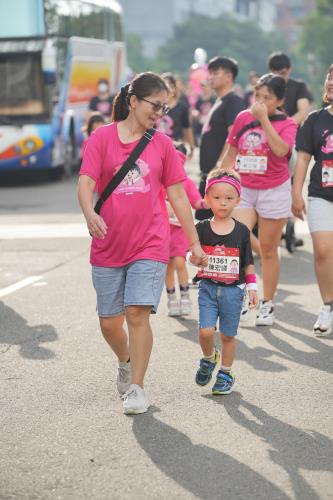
(298, 206)
(253, 299)
(259, 110)
(96, 225)
(198, 257)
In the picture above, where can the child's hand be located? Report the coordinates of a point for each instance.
(253, 299)
(198, 257)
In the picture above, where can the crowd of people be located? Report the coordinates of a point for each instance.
(254, 153)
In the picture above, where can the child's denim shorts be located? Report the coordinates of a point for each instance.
(223, 302)
(139, 283)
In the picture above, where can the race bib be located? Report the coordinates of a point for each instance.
(223, 264)
(251, 164)
(327, 173)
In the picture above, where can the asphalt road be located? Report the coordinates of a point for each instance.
(63, 434)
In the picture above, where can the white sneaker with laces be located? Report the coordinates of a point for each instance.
(174, 307)
(123, 377)
(135, 400)
(245, 308)
(185, 306)
(323, 325)
(265, 314)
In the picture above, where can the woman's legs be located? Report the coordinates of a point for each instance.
(140, 340)
(249, 217)
(182, 274)
(170, 275)
(115, 335)
(270, 231)
(323, 261)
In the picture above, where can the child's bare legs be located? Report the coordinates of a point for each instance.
(173, 302)
(228, 351)
(207, 342)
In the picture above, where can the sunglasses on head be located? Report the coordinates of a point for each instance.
(157, 107)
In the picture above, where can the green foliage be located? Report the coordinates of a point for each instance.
(245, 41)
(316, 42)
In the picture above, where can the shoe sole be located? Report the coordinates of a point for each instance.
(265, 323)
(129, 411)
(174, 315)
(218, 393)
(186, 312)
(319, 333)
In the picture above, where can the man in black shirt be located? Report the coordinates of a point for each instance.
(222, 74)
(102, 102)
(298, 97)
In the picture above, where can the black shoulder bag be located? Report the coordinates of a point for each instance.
(256, 123)
(126, 167)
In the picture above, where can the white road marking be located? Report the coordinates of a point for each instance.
(36, 231)
(20, 284)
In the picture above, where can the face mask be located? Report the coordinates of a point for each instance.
(102, 87)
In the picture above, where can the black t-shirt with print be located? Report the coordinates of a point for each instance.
(215, 130)
(309, 140)
(238, 238)
(296, 89)
(175, 121)
(104, 106)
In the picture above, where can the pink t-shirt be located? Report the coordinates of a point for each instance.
(135, 213)
(253, 142)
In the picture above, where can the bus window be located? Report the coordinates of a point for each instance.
(21, 85)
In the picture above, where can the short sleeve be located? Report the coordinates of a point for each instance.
(92, 157)
(247, 255)
(288, 133)
(236, 127)
(185, 118)
(173, 170)
(303, 92)
(304, 141)
(233, 107)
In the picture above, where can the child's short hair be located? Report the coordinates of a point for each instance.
(218, 172)
(94, 118)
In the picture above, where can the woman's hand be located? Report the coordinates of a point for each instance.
(96, 225)
(298, 206)
(259, 110)
(198, 256)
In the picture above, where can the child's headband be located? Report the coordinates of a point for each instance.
(227, 179)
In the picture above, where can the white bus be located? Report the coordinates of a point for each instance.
(52, 54)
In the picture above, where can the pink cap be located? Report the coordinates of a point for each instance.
(227, 180)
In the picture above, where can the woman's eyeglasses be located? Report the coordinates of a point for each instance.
(157, 107)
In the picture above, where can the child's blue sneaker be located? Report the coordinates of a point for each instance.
(205, 372)
(224, 383)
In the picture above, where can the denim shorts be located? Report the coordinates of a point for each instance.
(139, 283)
(223, 302)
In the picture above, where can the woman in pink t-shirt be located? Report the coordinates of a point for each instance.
(130, 244)
(260, 144)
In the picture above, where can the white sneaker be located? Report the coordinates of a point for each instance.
(245, 308)
(323, 325)
(174, 307)
(135, 400)
(265, 315)
(123, 377)
(185, 306)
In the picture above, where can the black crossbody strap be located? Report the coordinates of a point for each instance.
(123, 171)
(256, 123)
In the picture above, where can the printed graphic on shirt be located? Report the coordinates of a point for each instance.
(253, 149)
(328, 146)
(223, 264)
(136, 181)
(165, 125)
(327, 173)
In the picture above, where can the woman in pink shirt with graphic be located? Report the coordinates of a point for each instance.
(260, 144)
(130, 237)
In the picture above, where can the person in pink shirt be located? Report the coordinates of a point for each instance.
(130, 236)
(260, 144)
(179, 245)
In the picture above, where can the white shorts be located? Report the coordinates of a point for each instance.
(320, 214)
